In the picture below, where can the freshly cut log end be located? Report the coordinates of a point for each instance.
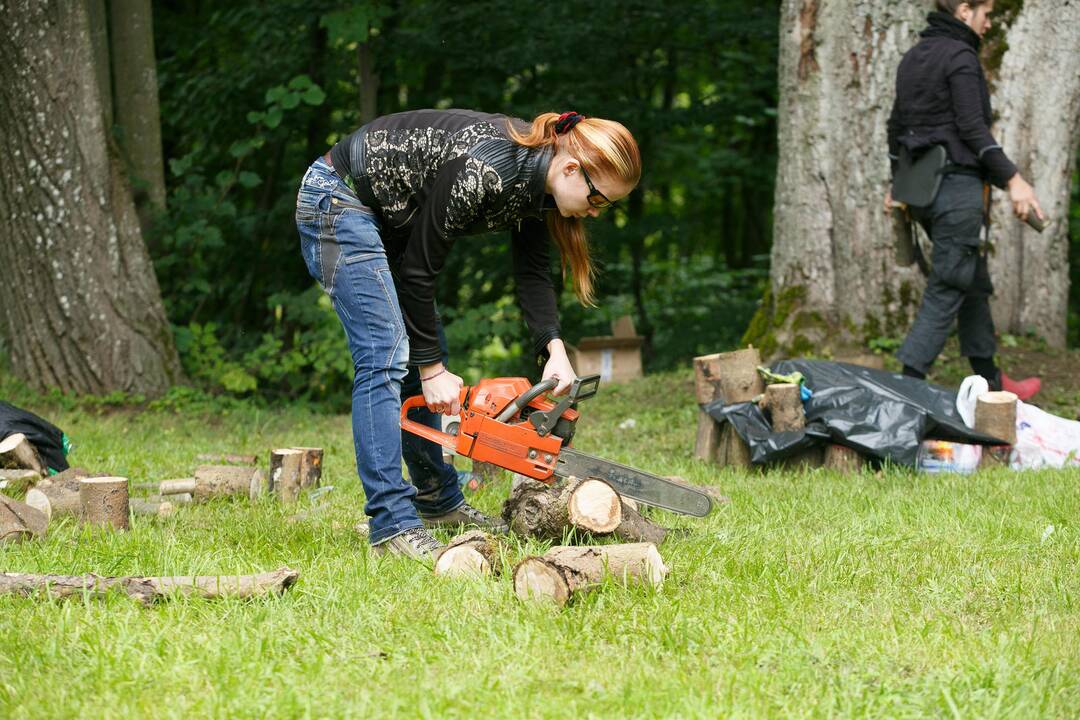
(17, 452)
(104, 501)
(594, 506)
(566, 570)
(19, 521)
(473, 553)
(55, 500)
(285, 473)
(310, 467)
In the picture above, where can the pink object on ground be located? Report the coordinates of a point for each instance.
(1023, 389)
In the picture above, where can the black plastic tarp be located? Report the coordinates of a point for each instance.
(880, 414)
(43, 435)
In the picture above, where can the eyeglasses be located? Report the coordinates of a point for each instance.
(596, 198)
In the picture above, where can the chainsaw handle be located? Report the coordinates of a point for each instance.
(428, 433)
(527, 397)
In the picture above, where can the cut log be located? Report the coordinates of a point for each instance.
(842, 459)
(19, 521)
(177, 486)
(16, 482)
(17, 453)
(730, 377)
(995, 415)
(175, 498)
(548, 511)
(636, 528)
(213, 481)
(147, 590)
(470, 554)
(160, 508)
(104, 501)
(310, 467)
(564, 571)
(784, 404)
(285, 474)
(226, 459)
(68, 478)
(55, 500)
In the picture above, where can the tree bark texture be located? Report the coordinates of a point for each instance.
(1036, 97)
(104, 501)
(147, 590)
(549, 511)
(135, 101)
(86, 315)
(833, 274)
(19, 521)
(564, 571)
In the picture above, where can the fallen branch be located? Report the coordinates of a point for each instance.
(147, 590)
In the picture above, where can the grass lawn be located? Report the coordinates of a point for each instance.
(888, 594)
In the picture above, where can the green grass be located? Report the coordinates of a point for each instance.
(889, 594)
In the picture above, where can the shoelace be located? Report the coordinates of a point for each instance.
(421, 539)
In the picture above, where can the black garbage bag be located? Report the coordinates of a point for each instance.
(50, 441)
(880, 414)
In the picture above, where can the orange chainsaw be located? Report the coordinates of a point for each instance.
(513, 424)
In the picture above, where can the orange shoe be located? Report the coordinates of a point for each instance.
(1023, 389)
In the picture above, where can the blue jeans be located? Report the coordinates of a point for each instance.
(343, 249)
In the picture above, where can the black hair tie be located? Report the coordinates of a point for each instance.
(567, 121)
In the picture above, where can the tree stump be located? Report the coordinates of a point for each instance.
(565, 571)
(548, 511)
(19, 521)
(843, 459)
(213, 481)
(16, 482)
(995, 415)
(104, 501)
(285, 473)
(58, 495)
(310, 467)
(470, 554)
(17, 453)
(784, 403)
(730, 377)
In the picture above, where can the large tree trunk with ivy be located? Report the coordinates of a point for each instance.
(834, 281)
(80, 309)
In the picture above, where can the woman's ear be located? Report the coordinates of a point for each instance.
(963, 12)
(570, 166)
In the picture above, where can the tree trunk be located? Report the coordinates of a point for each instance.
(98, 17)
(1036, 97)
(833, 274)
(369, 82)
(134, 72)
(87, 315)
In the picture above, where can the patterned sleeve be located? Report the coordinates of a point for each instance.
(455, 201)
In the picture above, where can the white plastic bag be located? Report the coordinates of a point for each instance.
(1042, 439)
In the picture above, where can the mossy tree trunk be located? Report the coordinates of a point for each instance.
(85, 314)
(833, 275)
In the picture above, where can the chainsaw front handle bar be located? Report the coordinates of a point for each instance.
(527, 397)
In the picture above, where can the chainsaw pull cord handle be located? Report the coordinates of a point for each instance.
(527, 397)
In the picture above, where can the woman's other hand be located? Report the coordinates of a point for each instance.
(1023, 199)
(558, 366)
(442, 389)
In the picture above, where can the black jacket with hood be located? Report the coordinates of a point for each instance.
(942, 98)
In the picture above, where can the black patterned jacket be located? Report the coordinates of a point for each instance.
(435, 175)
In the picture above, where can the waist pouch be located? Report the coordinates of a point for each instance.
(917, 181)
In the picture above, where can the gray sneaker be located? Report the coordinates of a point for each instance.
(416, 543)
(465, 514)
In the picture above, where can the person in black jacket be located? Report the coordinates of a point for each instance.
(378, 215)
(942, 99)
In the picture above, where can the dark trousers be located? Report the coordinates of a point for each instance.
(958, 290)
